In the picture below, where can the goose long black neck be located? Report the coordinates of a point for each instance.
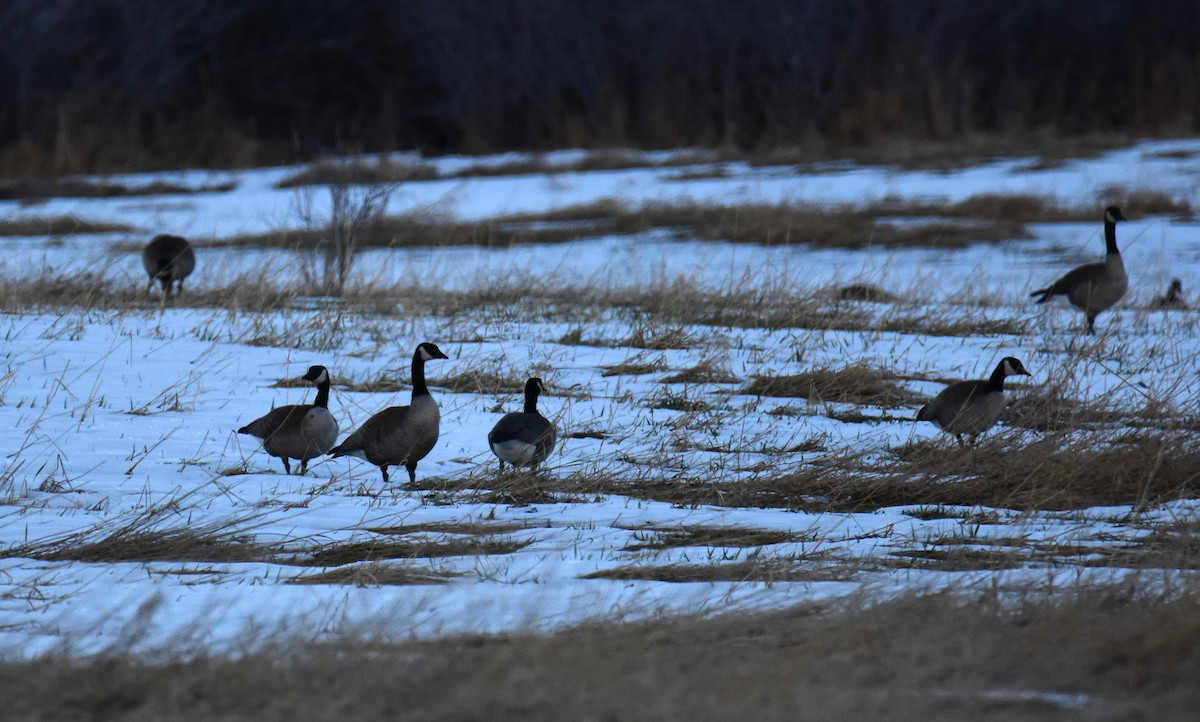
(531, 397)
(996, 381)
(418, 375)
(323, 393)
(1110, 237)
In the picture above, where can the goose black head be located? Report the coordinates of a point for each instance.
(316, 374)
(428, 351)
(1013, 367)
(1112, 214)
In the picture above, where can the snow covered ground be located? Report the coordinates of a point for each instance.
(124, 419)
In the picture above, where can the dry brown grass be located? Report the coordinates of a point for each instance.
(709, 536)
(339, 554)
(1096, 654)
(705, 372)
(375, 574)
(857, 384)
(38, 189)
(386, 170)
(1059, 472)
(634, 366)
(982, 218)
(761, 570)
(58, 226)
(140, 540)
(381, 171)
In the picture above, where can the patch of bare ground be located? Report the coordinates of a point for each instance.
(1059, 472)
(1048, 150)
(636, 365)
(375, 574)
(761, 570)
(138, 540)
(511, 487)
(341, 553)
(470, 381)
(1098, 654)
(981, 218)
(709, 536)
(361, 172)
(58, 226)
(858, 384)
(40, 189)
(1165, 545)
(387, 170)
(705, 372)
(677, 304)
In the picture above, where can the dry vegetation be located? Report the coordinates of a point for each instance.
(885, 80)
(38, 189)
(1096, 654)
(57, 226)
(856, 384)
(985, 218)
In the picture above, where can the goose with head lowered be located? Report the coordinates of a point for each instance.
(1173, 297)
(523, 438)
(298, 431)
(168, 259)
(400, 435)
(1094, 287)
(971, 407)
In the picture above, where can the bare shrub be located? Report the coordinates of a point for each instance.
(354, 212)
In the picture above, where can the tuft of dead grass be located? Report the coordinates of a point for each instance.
(58, 226)
(138, 540)
(705, 372)
(706, 536)
(859, 384)
(761, 570)
(40, 189)
(339, 554)
(382, 171)
(375, 574)
(1106, 653)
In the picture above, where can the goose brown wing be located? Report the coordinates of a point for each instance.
(275, 420)
(1075, 278)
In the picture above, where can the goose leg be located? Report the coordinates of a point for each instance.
(287, 468)
(383, 470)
(412, 472)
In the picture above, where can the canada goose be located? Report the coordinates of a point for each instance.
(1173, 298)
(971, 407)
(1094, 287)
(523, 438)
(298, 431)
(167, 259)
(400, 434)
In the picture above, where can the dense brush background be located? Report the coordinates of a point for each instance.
(107, 85)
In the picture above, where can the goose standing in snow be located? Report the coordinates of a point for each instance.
(523, 438)
(1094, 287)
(298, 431)
(400, 435)
(971, 407)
